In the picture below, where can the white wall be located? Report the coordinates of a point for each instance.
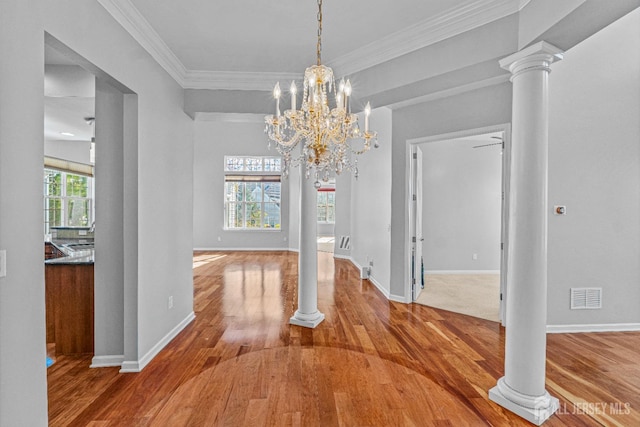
(214, 140)
(594, 169)
(75, 151)
(371, 204)
(462, 201)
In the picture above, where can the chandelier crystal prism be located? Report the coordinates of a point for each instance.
(328, 135)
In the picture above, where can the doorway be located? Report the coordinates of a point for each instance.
(458, 226)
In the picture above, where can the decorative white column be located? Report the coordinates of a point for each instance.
(522, 389)
(307, 314)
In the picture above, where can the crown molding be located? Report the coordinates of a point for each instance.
(127, 15)
(425, 33)
(440, 27)
(235, 80)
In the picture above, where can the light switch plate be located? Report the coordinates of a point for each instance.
(3, 263)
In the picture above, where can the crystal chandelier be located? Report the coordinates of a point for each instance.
(325, 132)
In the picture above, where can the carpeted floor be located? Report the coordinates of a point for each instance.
(475, 295)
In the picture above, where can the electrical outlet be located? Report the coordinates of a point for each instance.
(170, 303)
(3, 263)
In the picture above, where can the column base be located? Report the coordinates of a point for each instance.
(535, 409)
(306, 320)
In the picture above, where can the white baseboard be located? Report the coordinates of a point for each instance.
(607, 327)
(462, 272)
(242, 249)
(138, 365)
(347, 257)
(107, 361)
(399, 298)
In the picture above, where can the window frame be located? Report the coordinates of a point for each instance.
(64, 199)
(245, 170)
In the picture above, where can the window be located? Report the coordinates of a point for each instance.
(327, 205)
(252, 193)
(67, 199)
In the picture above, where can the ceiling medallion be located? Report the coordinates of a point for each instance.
(327, 134)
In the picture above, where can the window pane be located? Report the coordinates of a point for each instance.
(331, 197)
(253, 215)
(253, 164)
(233, 215)
(77, 212)
(331, 214)
(53, 212)
(52, 183)
(271, 215)
(234, 163)
(272, 192)
(322, 198)
(322, 213)
(234, 191)
(76, 186)
(253, 191)
(272, 164)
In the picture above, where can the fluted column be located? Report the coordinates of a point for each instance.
(307, 314)
(522, 389)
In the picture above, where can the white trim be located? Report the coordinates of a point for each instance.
(243, 249)
(127, 15)
(347, 257)
(107, 361)
(138, 365)
(447, 24)
(371, 279)
(400, 298)
(229, 117)
(502, 127)
(492, 81)
(462, 272)
(236, 80)
(605, 327)
(437, 28)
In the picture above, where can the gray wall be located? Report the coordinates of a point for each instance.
(371, 203)
(461, 214)
(594, 169)
(23, 381)
(214, 140)
(164, 170)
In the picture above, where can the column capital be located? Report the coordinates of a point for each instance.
(538, 56)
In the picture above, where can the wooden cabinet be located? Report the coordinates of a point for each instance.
(69, 305)
(50, 251)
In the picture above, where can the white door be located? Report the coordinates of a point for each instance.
(418, 279)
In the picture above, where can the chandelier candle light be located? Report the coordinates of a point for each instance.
(325, 131)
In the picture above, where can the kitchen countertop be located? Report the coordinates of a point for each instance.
(77, 252)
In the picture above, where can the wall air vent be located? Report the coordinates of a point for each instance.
(586, 298)
(345, 242)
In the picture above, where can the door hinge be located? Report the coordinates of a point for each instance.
(500, 296)
(502, 246)
(413, 239)
(415, 156)
(415, 198)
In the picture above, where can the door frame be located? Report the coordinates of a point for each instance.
(505, 128)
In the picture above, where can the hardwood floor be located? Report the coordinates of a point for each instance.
(371, 362)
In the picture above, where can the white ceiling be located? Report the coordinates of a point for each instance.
(278, 36)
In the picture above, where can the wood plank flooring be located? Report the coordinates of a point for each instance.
(372, 362)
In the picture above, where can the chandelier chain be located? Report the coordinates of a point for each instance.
(319, 45)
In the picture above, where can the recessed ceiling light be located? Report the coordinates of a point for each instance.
(66, 134)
